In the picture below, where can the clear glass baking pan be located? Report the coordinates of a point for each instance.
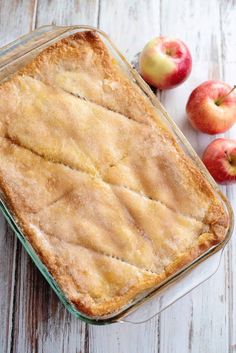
(17, 54)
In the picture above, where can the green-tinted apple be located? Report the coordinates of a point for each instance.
(165, 62)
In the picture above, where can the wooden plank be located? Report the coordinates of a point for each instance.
(198, 322)
(228, 16)
(70, 12)
(42, 324)
(7, 282)
(130, 25)
(15, 20)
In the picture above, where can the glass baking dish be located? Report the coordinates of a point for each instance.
(17, 54)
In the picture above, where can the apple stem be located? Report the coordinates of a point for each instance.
(231, 159)
(221, 99)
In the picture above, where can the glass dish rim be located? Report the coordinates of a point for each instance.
(117, 317)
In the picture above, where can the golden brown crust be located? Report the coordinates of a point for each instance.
(206, 241)
(218, 220)
(185, 195)
(91, 308)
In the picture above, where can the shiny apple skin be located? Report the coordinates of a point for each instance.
(203, 112)
(220, 159)
(165, 62)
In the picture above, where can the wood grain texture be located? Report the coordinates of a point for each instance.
(32, 320)
(15, 19)
(8, 245)
(228, 19)
(130, 24)
(67, 12)
(195, 318)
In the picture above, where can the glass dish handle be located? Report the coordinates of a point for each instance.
(173, 292)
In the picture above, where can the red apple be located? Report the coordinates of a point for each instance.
(165, 62)
(220, 159)
(211, 107)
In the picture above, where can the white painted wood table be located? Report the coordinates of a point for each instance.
(32, 320)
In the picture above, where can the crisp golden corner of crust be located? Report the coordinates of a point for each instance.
(218, 221)
(112, 305)
(62, 49)
(89, 36)
(203, 243)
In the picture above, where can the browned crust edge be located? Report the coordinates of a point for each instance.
(205, 241)
(94, 309)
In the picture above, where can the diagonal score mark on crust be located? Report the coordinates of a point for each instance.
(140, 230)
(17, 143)
(131, 217)
(153, 275)
(101, 106)
(53, 202)
(55, 159)
(165, 271)
(82, 97)
(94, 250)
